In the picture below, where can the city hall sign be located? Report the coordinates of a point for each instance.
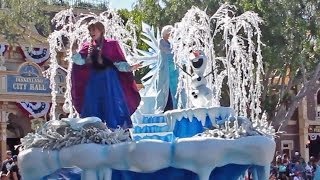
(28, 80)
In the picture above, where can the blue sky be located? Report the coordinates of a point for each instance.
(121, 4)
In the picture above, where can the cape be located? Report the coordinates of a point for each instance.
(80, 75)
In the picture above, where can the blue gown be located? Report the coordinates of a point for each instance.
(167, 80)
(104, 96)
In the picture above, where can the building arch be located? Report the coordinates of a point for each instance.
(14, 130)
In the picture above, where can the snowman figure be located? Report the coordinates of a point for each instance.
(201, 95)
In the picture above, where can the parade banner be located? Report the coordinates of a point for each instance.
(3, 49)
(314, 132)
(35, 109)
(36, 55)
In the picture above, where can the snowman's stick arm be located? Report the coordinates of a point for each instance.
(183, 70)
(211, 72)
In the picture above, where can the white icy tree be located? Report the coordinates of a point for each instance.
(241, 64)
(72, 28)
(235, 62)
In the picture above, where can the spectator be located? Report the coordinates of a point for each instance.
(278, 156)
(273, 171)
(14, 170)
(296, 168)
(296, 157)
(285, 158)
(283, 170)
(309, 170)
(317, 171)
(298, 176)
(6, 165)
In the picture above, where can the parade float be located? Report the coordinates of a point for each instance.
(199, 139)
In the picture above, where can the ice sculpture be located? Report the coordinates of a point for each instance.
(151, 60)
(203, 141)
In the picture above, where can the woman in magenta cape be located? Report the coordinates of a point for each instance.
(102, 81)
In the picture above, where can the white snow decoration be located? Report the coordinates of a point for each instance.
(67, 132)
(151, 155)
(74, 30)
(78, 123)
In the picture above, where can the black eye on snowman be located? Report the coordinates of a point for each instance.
(194, 95)
(199, 79)
(198, 63)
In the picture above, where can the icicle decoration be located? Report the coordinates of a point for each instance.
(73, 29)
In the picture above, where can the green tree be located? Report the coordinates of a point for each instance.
(292, 68)
(137, 17)
(18, 17)
(151, 10)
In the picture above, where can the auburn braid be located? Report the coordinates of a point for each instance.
(94, 54)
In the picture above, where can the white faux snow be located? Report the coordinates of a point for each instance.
(78, 123)
(200, 155)
(55, 135)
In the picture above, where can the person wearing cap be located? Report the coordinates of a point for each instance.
(296, 156)
(102, 81)
(6, 165)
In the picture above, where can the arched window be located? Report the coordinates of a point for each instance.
(14, 130)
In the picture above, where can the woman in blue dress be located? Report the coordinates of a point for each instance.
(167, 80)
(102, 81)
